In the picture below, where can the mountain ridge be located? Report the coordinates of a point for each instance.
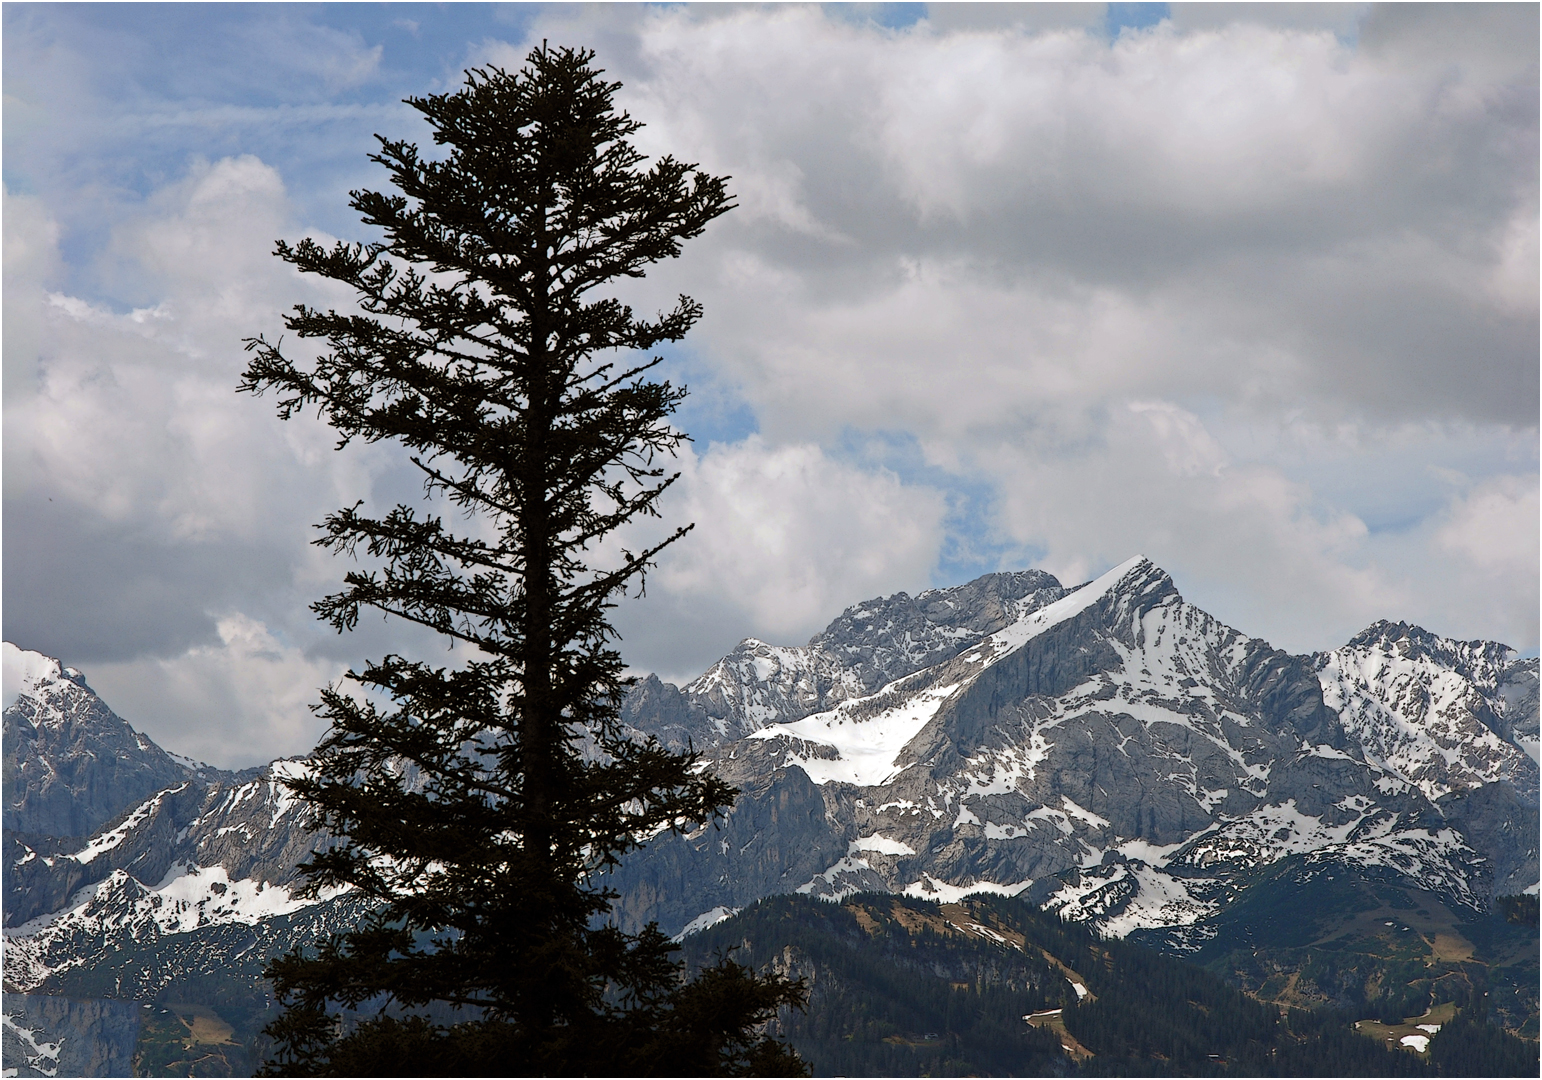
(1110, 752)
(1089, 675)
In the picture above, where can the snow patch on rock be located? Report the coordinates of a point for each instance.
(705, 920)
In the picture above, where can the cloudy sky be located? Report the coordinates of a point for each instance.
(1250, 290)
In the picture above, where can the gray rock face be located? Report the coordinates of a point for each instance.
(661, 710)
(1458, 720)
(70, 763)
(136, 809)
(44, 1035)
(244, 828)
(783, 830)
(1113, 752)
(1447, 715)
(1518, 692)
(891, 637)
(172, 889)
(869, 645)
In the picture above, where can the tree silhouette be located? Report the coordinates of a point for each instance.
(474, 805)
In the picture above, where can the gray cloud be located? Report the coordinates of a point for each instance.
(1488, 41)
(78, 588)
(1343, 20)
(1371, 220)
(967, 17)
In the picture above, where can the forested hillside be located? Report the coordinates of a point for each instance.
(992, 986)
(1371, 946)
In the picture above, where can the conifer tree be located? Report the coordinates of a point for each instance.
(473, 806)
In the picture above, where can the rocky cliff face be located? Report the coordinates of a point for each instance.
(138, 875)
(70, 763)
(868, 646)
(48, 1035)
(1449, 716)
(119, 842)
(1115, 753)
(243, 828)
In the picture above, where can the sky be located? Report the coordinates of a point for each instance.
(1251, 290)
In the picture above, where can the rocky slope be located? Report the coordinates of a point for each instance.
(1114, 753)
(868, 646)
(133, 875)
(70, 763)
(1448, 716)
(117, 844)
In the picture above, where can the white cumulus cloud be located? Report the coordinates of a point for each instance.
(785, 537)
(239, 700)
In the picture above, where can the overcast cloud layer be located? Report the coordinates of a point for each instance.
(1252, 291)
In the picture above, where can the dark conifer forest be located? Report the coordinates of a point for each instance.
(897, 988)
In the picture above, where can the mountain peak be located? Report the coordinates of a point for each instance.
(1481, 661)
(1391, 633)
(25, 671)
(1137, 574)
(1130, 582)
(1448, 716)
(977, 607)
(71, 763)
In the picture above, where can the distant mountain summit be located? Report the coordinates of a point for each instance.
(100, 822)
(70, 763)
(1109, 751)
(1448, 716)
(868, 646)
(135, 875)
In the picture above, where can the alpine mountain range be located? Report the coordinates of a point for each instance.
(1109, 751)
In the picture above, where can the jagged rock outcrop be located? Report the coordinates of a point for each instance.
(1444, 714)
(1457, 719)
(47, 1035)
(867, 646)
(70, 763)
(247, 825)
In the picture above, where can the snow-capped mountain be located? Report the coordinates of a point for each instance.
(868, 646)
(1110, 751)
(70, 763)
(111, 843)
(1445, 715)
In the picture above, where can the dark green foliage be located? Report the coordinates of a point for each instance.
(1354, 940)
(1402, 999)
(1521, 909)
(1290, 904)
(1146, 1006)
(166, 1048)
(1509, 977)
(1469, 1047)
(1157, 1015)
(885, 973)
(1324, 1042)
(877, 996)
(477, 807)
